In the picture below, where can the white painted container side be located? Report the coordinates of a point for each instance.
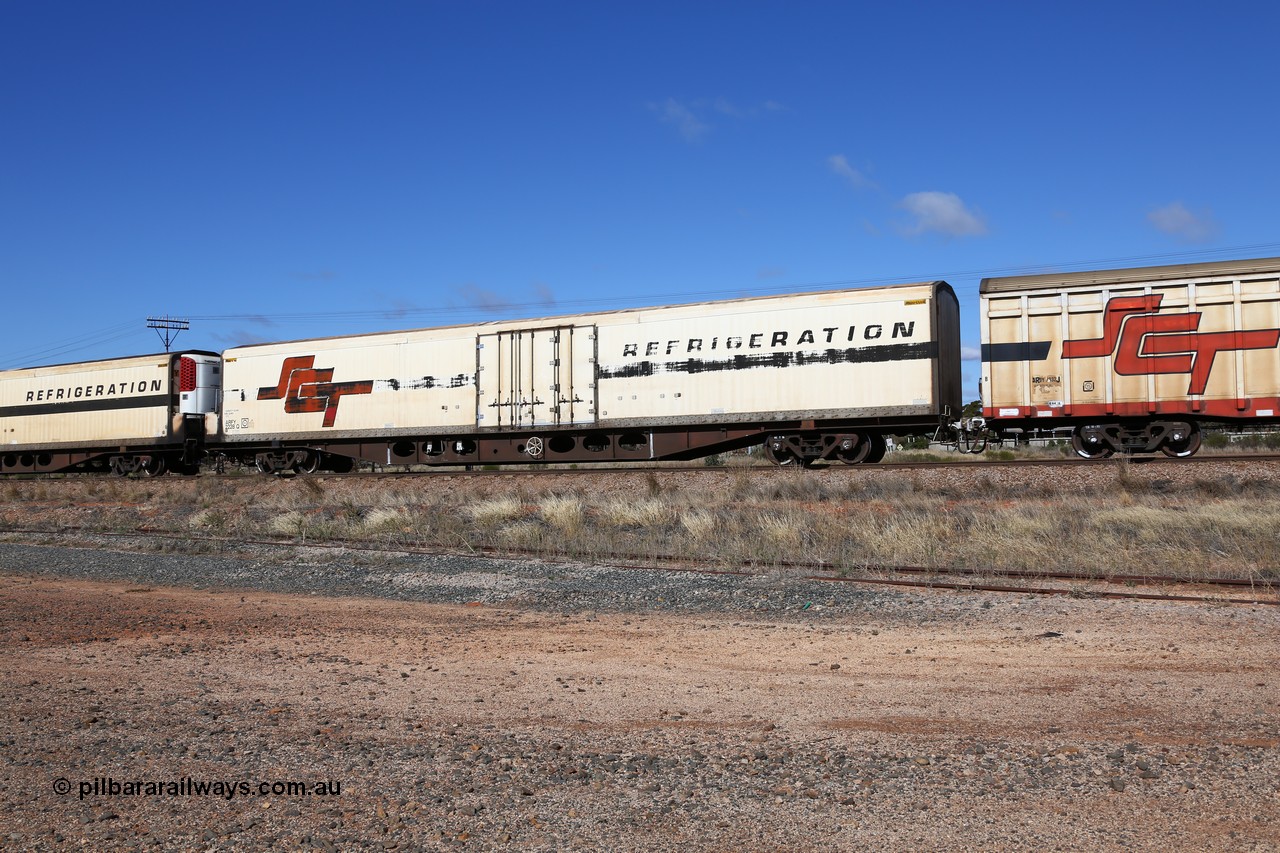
(875, 352)
(89, 404)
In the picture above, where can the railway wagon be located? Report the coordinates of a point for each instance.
(141, 414)
(811, 376)
(1133, 359)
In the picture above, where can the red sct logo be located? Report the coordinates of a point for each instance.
(305, 389)
(1146, 342)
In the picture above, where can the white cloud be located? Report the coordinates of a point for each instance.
(841, 167)
(688, 124)
(726, 107)
(943, 213)
(969, 352)
(723, 105)
(691, 118)
(1175, 220)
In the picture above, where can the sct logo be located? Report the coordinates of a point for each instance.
(305, 389)
(1144, 341)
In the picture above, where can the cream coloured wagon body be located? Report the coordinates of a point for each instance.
(880, 355)
(1174, 344)
(47, 414)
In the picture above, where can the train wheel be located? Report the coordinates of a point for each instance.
(1182, 449)
(861, 452)
(154, 466)
(878, 448)
(309, 465)
(264, 464)
(781, 457)
(1089, 450)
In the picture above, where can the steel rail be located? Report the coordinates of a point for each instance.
(665, 468)
(685, 565)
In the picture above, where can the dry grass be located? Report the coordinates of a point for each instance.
(698, 524)
(782, 532)
(384, 520)
(491, 513)
(292, 523)
(566, 513)
(645, 513)
(524, 535)
(212, 518)
(1194, 528)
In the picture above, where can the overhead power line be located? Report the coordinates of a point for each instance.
(44, 354)
(168, 328)
(685, 295)
(121, 331)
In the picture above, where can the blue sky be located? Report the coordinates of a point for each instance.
(297, 169)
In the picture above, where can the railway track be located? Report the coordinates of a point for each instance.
(668, 469)
(771, 470)
(1260, 591)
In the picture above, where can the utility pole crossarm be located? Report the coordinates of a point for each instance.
(167, 328)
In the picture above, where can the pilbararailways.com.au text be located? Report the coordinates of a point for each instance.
(227, 789)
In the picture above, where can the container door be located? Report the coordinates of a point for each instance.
(536, 377)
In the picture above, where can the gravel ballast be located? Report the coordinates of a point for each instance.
(469, 703)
